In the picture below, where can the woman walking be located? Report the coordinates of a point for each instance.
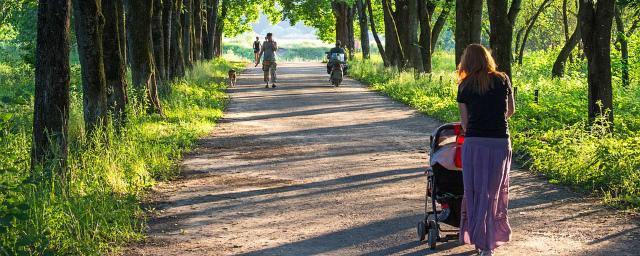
(486, 102)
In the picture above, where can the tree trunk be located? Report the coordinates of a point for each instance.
(51, 104)
(502, 19)
(407, 24)
(186, 33)
(364, 28)
(167, 19)
(89, 23)
(122, 30)
(114, 64)
(424, 15)
(565, 20)
(439, 24)
(197, 25)
(595, 27)
(351, 38)
(394, 52)
(143, 69)
(217, 42)
(340, 10)
(176, 65)
(529, 27)
(468, 25)
(565, 53)
(212, 19)
(624, 45)
(375, 34)
(157, 32)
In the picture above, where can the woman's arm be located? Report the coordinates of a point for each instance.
(464, 116)
(511, 105)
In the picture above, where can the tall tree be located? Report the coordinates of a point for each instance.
(596, 19)
(51, 104)
(502, 19)
(212, 19)
(167, 19)
(565, 52)
(143, 69)
(394, 52)
(530, 25)
(187, 12)
(197, 27)
(621, 38)
(406, 16)
(374, 31)
(468, 24)
(89, 24)
(364, 28)
(341, 13)
(440, 22)
(176, 64)
(114, 62)
(122, 29)
(157, 34)
(219, 31)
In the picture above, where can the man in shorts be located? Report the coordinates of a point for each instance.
(268, 54)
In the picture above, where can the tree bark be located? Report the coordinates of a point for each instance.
(157, 32)
(114, 63)
(565, 53)
(351, 38)
(176, 65)
(143, 69)
(52, 78)
(89, 24)
(424, 15)
(407, 24)
(624, 45)
(340, 10)
(439, 24)
(375, 34)
(219, 32)
(186, 33)
(122, 30)
(212, 19)
(595, 27)
(167, 19)
(364, 28)
(197, 25)
(468, 25)
(394, 52)
(502, 19)
(529, 27)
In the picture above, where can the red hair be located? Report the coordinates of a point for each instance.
(476, 68)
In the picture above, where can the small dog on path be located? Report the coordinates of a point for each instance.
(232, 78)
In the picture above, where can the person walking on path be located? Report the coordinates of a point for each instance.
(256, 49)
(268, 54)
(485, 100)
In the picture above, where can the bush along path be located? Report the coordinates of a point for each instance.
(307, 169)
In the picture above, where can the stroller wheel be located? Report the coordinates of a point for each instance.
(433, 234)
(422, 231)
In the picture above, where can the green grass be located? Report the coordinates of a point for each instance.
(550, 137)
(97, 209)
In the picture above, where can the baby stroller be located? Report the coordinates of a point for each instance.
(444, 185)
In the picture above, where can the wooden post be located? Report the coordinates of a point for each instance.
(536, 96)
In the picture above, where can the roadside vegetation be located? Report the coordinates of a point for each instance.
(95, 208)
(550, 136)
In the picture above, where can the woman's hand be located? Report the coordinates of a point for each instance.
(511, 105)
(464, 116)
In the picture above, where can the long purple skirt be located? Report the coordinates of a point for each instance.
(485, 166)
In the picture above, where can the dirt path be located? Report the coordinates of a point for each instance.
(307, 169)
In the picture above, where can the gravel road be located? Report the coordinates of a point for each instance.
(309, 169)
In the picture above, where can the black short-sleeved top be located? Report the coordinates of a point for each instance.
(488, 112)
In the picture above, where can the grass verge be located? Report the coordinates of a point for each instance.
(96, 210)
